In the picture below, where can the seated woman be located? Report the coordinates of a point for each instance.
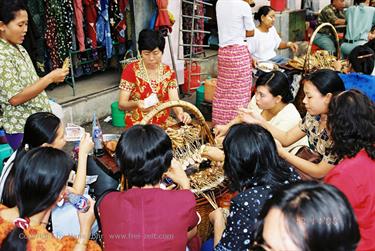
(351, 120)
(307, 216)
(361, 65)
(148, 81)
(359, 20)
(39, 183)
(148, 216)
(253, 169)
(265, 41)
(319, 88)
(272, 100)
(43, 129)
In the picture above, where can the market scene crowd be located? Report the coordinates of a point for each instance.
(291, 141)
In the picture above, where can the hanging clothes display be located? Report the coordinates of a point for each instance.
(197, 39)
(91, 16)
(121, 24)
(34, 40)
(163, 21)
(78, 14)
(102, 27)
(59, 17)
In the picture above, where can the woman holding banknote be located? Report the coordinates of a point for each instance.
(147, 82)
(21, 90)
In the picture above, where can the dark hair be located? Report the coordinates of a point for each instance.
(9, 8)
(262, 11)
(40, 177)
(357, 2)
(371, 43)
(277, 84)
(326, 81)
(150, 40)
(317, 216)
(351, 119)
(144, 153)
(251, 156)
(40, 128)
(362, 59)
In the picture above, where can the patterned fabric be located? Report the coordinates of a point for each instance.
(59, 15)
(90, 16)
(102, 27)
(135, 80)
(40, 239)
(16, 73)
(233, 89)
(244, 210)
(329, 14)
(318, 139)
(78, 14)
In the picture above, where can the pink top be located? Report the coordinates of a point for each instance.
(355, 178)
(147, 219)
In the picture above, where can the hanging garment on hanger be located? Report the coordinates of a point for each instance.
(163, 21)
(59, 17)
(91, 16)
(78, 13)
(102, 27)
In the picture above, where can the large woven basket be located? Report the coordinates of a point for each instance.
(203, 206)
(306, 66)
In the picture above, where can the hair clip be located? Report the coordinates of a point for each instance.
(22, 223)
(366, 55)
(27, 147)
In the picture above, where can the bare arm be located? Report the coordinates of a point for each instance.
(181, 115)
(340, 21)
(124, 103)
(286, 45)
(36, 88)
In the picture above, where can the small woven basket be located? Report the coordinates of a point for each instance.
(306, 67)
(127, 60)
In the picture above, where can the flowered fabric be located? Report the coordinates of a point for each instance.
(319, 140)
(16, 73)
(39, 239)
(135, 80)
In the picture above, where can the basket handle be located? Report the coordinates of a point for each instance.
(306, 65)
(186, 105)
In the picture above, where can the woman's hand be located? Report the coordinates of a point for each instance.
(221, 130)
(141, 106)
(292, 46)
(250, 116)
(58, 75)
(184, 117)
(178, 175)
(86, 144)
(213, 153)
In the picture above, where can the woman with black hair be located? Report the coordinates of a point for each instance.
(361, 67)
(21, 90)
(319, 88)
(43, 129)
(39, 183)
(272, 100)
(253, 169)
(145, 215)
(351, 120)
(307, 216)
(147, 82)
(265, 41)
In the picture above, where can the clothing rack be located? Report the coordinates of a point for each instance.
(192, 56)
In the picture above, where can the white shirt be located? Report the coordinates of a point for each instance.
(284, 120)
(234, 18)
(262, 45)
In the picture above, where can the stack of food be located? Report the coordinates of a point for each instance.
(321, 59)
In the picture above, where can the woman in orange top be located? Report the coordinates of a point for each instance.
(146, 82)
(38, 187)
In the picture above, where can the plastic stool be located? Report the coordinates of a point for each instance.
(5, 152)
